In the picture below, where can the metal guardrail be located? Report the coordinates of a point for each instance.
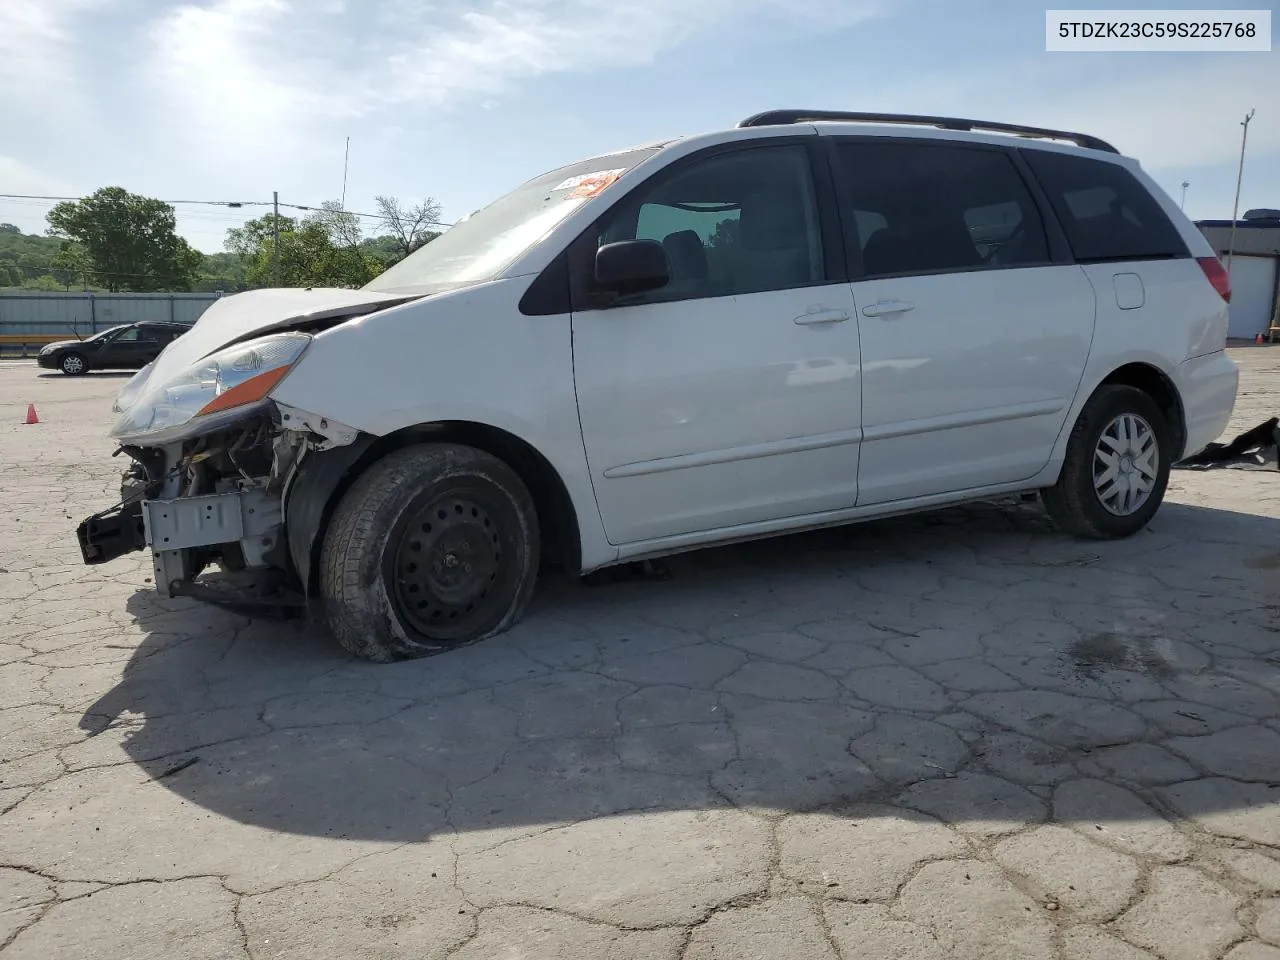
(25, 346)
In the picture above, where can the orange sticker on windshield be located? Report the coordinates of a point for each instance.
(593, 185)
(589, 184)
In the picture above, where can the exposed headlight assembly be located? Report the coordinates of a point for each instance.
(215, 390)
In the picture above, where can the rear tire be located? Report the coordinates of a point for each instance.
(434, 547)
(1116, 469)
(73, 365)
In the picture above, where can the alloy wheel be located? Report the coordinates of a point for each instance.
(1126, 464)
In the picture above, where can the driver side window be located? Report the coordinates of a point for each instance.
(734, 223)
(126, 336)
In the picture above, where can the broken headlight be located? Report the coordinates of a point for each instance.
(213, 391)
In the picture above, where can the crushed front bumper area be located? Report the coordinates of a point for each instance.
(177, 529)
(218, 505)
(183, 535)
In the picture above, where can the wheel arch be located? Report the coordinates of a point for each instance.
(1156, 384)
(325, 478)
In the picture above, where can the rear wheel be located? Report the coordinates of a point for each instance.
(73, 365)
(1116, 469)
(435, 546)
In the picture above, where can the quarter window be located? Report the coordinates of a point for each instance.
(735, 223)
(925, 208)
(1105, 212)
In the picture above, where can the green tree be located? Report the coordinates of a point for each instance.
(248, 240)
(385, 249)
(130, 240)
(72, 265)
(325, 249)
(222, 271)
(42, 282)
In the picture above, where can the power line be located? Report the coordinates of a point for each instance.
(207, 203)
(221, 203)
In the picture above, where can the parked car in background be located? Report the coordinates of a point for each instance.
(130, 346)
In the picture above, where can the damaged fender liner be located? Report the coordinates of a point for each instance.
(312, 491)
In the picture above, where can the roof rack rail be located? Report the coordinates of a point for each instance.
(772, 117)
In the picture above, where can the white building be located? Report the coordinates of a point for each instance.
(1255, 269)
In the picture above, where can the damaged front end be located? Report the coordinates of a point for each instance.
(214, 460)
(218, 501)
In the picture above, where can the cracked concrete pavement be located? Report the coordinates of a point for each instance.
(957, 735)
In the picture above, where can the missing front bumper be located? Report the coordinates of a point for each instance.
(186, 532)
(246, 521)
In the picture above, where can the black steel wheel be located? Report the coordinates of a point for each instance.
(435, 546)
(446, 567)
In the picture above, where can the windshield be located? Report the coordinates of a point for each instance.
(107, 333)
(479, 247)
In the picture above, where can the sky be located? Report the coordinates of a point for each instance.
(229, 100)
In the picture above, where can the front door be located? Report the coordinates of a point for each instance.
(974, 335)
(731, 396)
(128, 348)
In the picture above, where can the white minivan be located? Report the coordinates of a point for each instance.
(813, 318)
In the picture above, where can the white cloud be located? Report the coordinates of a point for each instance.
(259, 64)
(18, 177)
(36, 40)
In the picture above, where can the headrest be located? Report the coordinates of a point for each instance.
(687, 255)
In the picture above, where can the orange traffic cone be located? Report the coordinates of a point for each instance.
(1258, 339)
(31, 413)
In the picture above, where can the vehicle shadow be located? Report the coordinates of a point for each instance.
(970, 663)
(91, 375)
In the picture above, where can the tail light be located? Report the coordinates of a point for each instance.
(1217, 275)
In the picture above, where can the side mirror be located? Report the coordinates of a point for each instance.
(632, 266)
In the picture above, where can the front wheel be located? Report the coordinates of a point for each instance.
(73, 365)
(435, 546)
(1116, 468)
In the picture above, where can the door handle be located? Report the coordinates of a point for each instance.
(885, 308)
(823, 316)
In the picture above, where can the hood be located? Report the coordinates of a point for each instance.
(60, 345)
(254, 313)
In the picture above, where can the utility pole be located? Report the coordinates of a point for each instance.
(275, 229)
(1183, 202)
(1235, 208)
(345, 158)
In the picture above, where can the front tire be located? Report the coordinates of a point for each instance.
(434, 547)
(73, 365)
(1116, 469)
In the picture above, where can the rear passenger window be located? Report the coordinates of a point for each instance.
(926, 208)
(1106, 213)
